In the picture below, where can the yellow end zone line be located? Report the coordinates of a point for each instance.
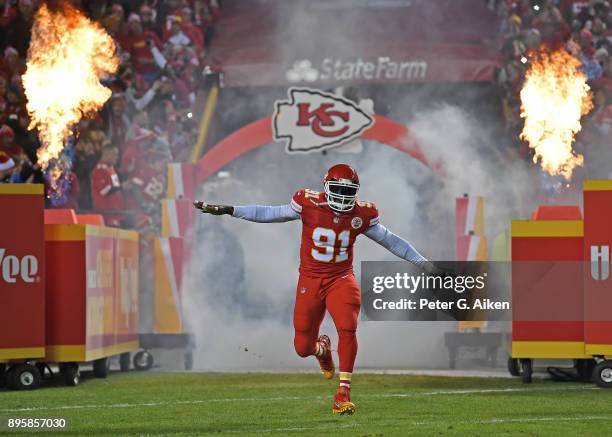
(547, 228)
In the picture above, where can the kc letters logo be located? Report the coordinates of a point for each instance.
(312, 120)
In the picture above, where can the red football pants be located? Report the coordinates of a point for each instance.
(340, 295)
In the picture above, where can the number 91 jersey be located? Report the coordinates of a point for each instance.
(327, 236)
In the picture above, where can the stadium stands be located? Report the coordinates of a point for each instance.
(164, 52)
(162, 47)
(585, 29)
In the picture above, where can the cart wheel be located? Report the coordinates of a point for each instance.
(492, 356)
(602, 374)
(44, 368)
(41, 369)
(124, 362)
(526, 370)
(143, 360)
(452, 358)
(2, 374)
(188, 360)
(71, 374)
(584, 368)
(100, 368)
(23, 377)
(514, 366)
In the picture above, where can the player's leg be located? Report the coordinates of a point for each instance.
(308, 314)
(343, 301)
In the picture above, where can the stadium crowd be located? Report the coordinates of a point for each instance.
(120, 155)
(584, 28)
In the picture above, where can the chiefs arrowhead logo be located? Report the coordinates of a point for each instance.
(315, 120)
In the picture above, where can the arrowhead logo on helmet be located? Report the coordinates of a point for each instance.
(312, 120)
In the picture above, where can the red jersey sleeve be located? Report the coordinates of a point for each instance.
(297, 201)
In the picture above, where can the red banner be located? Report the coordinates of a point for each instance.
(22, 291)
(598, 277)
(415, 41)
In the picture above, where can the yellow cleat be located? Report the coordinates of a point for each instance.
(342, 402)
(326, 362)
(344, 408)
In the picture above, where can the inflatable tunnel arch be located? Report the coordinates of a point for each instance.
(259, 133)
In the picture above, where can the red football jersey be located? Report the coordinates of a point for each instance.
(327, 236)
(103, 180)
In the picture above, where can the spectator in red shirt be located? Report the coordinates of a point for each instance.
(134, 151)
(7, 166)
(106, 188)
(14, 101)
(11, 65)
(118, 121)
(3, 85)
(182, 32)
(586, 43)
(18, 31)
(8, 12)
(7, 142)
(3, 110)
(149, 20)
(143, 47)
(550, 23)
(112, 24)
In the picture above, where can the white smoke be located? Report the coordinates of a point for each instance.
(413, 202)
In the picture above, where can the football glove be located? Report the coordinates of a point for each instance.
(433, 270)
(207, 208)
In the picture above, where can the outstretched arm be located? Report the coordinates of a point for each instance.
(398, 246)
(266, 214)
(253, 213)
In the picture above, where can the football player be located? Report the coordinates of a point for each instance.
(331, 221)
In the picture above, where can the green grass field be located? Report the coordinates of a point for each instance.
(154, 403)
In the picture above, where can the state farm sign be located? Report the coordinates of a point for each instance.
(382, 68)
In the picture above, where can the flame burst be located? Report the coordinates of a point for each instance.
(554, 97)
(67, 57)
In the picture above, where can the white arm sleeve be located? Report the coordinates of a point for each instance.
(142, 102)
(395, 244)
(266, 214)
(158, 57)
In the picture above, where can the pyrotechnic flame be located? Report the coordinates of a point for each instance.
(67, 57)
(554, 97)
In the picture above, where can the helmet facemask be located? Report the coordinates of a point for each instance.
(341, 194)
